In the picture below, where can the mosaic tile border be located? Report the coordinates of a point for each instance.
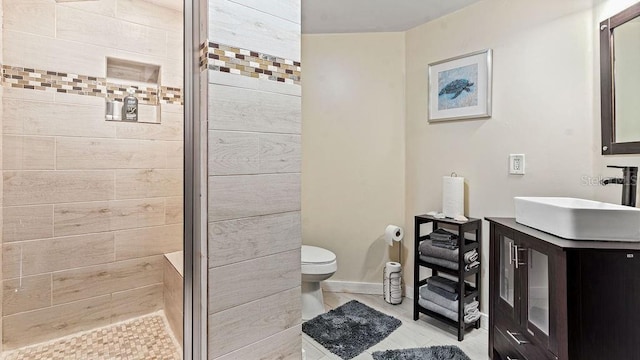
(52, 81)
(249, 63)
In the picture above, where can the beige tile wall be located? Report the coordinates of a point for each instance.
(90, 205)
(254, 188)
(1, 165)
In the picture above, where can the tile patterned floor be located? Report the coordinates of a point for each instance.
(422, 333)
(144, 338)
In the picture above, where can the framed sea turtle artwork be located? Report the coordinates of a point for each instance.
(460, 87)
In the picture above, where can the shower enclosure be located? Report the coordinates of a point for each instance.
(92, 205)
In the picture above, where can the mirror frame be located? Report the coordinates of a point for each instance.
(607, 85)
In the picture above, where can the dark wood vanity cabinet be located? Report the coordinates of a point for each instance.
(553, 298)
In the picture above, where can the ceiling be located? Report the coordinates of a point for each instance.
(351, 16)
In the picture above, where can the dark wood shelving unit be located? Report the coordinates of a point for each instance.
(472, 226)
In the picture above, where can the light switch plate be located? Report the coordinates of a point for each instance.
(516, 164)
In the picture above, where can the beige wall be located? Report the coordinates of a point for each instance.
(254, 156)
(89, 206)
(353, 146)
(537, 45)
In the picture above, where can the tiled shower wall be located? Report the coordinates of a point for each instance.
(254, 154)
(1, 198)
(89, 206)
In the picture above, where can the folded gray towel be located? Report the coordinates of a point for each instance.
(473, 265)
(442, 262)
(470, 256)
(443, 283)
(444, 293)
(453, 315)
(442, 234)
(472, 317)
(439, 309)
(472, 306)
(435, 297)
(430, 248)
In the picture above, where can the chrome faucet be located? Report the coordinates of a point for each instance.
(629, 182)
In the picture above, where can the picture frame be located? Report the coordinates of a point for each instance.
(460, 87)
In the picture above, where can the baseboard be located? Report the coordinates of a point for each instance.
(352, 287)
(484, 318)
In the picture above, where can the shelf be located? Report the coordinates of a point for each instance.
(430, 218)
(465, 229)
(468, 243)
(447, 270)
(445, 319)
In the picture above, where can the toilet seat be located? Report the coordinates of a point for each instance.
(316, 260)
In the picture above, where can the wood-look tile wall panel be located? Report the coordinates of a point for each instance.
(174, 210)
(78, 284)
(246, 324)
(146, 13)
(28, 293)
(83, 218)
(286, 9)
(136, 302)
(241, 153)
(147, 183)
(173, 298)
(27, 223)
(48, 255)
(53, 322)
(238, 25)
(28, 152)
(83, 27)
(242, 284)
(47, 187)
(171, 128)
(30, 16)
(233, 241)
(144, 242)
(241, 109)
(85, 153)
(234, 197)
(284, 345)
(26, 117)
(254, 158)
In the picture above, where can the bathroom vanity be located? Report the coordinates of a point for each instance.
(554, 298)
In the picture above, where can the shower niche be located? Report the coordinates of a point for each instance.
(131, 78)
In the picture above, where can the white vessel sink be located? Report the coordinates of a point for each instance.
(579, 219)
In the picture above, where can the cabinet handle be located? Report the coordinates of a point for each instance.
(510, 358)
(513, 336)
(511, 246)
(518, 263)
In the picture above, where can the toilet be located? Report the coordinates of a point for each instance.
(318, 264)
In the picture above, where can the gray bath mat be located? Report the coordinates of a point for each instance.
(350, 329)
(428, 353)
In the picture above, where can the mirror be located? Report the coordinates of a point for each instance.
(619, 79)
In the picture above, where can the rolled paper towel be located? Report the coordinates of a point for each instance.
(452, 196)
(393, 233)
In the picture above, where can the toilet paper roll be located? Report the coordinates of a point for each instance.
(452, 196)
(392, 283)
(393, 233)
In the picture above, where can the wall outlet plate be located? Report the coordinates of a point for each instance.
(516, 164)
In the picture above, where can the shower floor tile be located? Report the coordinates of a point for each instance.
(143, 338)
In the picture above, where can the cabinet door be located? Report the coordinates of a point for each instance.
(507, 302)
(536, 271)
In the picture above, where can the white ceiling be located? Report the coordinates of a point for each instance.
(350, 16)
